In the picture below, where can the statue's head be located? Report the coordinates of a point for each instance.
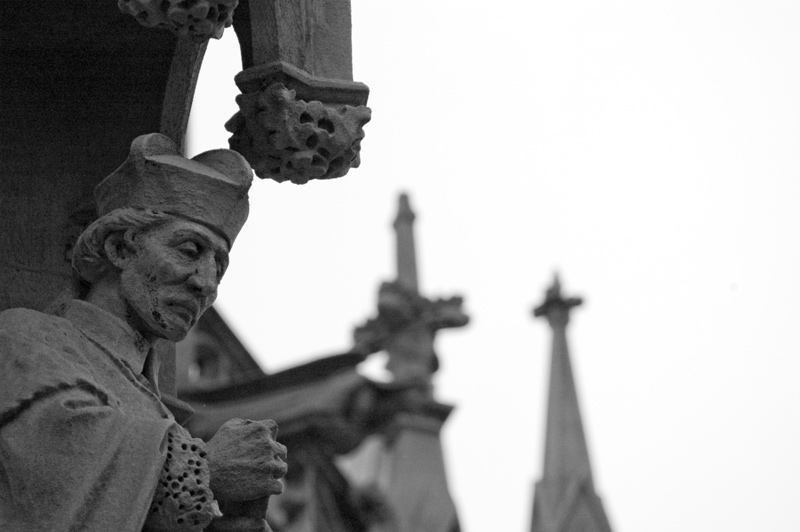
(166, 225)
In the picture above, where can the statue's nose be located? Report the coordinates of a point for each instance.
(204, 279)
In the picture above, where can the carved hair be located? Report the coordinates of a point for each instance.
(89, 258)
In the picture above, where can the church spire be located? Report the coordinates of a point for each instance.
(565, 499)
(566, 454)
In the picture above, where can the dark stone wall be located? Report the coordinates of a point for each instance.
(79, 81)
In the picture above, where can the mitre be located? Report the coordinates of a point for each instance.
(210, 188)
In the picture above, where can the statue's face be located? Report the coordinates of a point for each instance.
(172, 277)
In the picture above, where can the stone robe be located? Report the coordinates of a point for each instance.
(83, 433)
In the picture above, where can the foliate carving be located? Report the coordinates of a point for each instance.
(197, 19)
(286, 138)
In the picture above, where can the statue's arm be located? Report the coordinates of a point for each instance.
(71, 461)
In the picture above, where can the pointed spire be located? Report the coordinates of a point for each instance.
(566, 455)
(565, 494)
(406, 249)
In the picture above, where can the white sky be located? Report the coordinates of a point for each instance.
(649, 152)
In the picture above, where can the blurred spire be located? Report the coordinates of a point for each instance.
(565, 499)
(404, 465)
(406, 248)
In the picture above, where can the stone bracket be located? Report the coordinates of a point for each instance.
(292, 126)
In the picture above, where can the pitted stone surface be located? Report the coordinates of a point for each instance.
(288, 139)
(183, 501)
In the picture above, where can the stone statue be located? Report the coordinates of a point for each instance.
(85, 441)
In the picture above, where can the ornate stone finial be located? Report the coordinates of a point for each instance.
(407, 322)
(554, 306)
(405, 326)
(198, 20)
(398, 307)
(287, 138)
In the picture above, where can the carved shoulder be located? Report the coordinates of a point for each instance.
(38, 353)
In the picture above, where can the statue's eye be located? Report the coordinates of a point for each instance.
(190, 249)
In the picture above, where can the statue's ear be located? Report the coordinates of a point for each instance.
(118, 249)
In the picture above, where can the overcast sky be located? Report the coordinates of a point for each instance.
(647, 151)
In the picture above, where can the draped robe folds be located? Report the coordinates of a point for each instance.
(83, 433)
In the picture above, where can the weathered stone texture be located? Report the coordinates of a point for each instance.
(286, 138)
(198, 20)
(301, 114)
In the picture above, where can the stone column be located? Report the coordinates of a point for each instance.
(404, 461)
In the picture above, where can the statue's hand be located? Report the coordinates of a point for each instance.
(245, 461)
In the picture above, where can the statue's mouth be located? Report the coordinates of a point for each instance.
(187, 307)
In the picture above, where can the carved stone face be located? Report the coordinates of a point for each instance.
(171, 277)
